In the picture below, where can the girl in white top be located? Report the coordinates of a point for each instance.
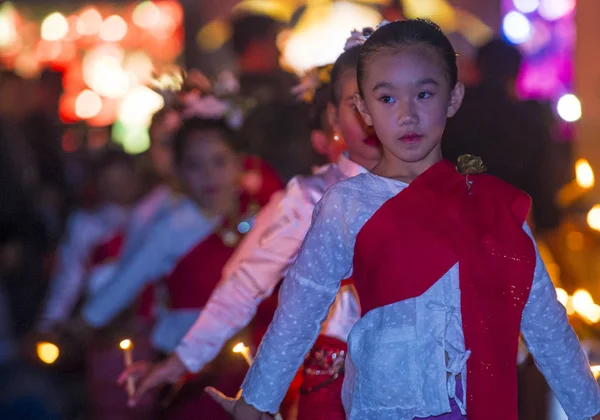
(445, 267)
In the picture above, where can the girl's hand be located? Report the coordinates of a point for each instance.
(148, 376)
(237, 407)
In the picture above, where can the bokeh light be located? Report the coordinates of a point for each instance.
(516, 27)
(555, 9)
(569, 108)
(593, 217)
(526, 6)
(90, 22)
(113, 29)
(47, 352)
(54, 27)
(88, 104)
(584, 174)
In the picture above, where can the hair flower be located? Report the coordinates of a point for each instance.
(311, 82)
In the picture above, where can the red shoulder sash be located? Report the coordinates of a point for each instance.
(434, 223)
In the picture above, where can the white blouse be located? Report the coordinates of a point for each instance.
(259, 263)
(155, 205)
(396, 366)
(85, 231)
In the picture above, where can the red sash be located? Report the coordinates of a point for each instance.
(418, 235)
(107, 250)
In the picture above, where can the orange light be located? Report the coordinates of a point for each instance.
(90, 22)
(73, 34)
(47, 352)
(48, 50)
(66, 109)
(584, 174)
(88, 104)
(146, 15)
(113, 29)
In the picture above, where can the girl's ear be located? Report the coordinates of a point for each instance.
(319, 141)
(456, 98)
(362, 108)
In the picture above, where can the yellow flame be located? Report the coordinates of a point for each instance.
(47, 352)
(125, 344)
(239, 347)
(593, 217)
(583, 303)
(584, 174)
(562, 296)
(596, 371)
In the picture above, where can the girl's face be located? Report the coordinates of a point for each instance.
(160, 147)
(118, 183)
(210, 170)
(407, 99)
(361, 142)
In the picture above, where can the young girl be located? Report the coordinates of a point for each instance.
(89, 236)
(272, 245)
(445, 267)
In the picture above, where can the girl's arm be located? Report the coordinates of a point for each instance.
(307, 292)
(556, 349)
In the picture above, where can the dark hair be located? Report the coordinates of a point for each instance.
(111, 157)
(499, 61)
(348, 60)
(193, 125)
(279, 133)
(408, 33)
(318, 106)
(248, 28)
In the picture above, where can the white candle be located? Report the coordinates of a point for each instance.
(245, 352)
(127, 347)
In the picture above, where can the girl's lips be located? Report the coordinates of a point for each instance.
(410, 138)
(372, 141)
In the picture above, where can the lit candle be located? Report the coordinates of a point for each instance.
(595, 371)
(245, 352)
(127, 347)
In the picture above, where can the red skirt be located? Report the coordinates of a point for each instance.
(321, 392)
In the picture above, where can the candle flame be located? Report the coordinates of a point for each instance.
(239, 347)
(595, 371)
(125, 344)
(47, 352)
(584, 174)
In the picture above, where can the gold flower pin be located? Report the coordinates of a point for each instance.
(469, 165)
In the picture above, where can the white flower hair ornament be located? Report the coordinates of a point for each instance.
(360, 37)
(311, 82)
(197, 97)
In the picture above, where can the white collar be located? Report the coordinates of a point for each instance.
(349, 167)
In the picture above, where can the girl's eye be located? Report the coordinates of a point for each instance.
(423, 95)
(386, 99)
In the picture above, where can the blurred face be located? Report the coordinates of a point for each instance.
(210, 169)
(161, 137)
(118, 183)
(407, 99)
(363, 146)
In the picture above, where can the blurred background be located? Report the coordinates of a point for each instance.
(79, 78)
